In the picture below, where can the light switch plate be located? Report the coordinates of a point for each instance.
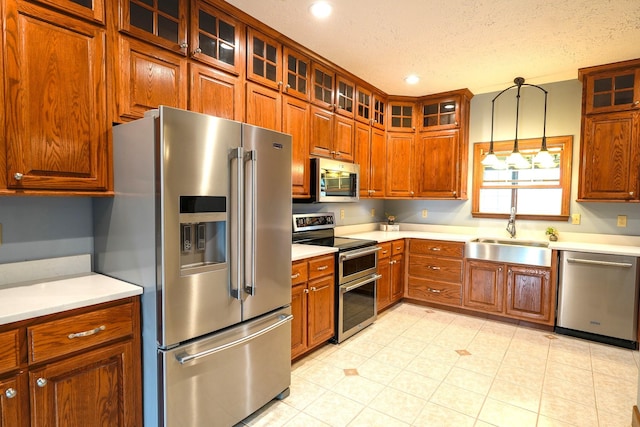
(341, 213)
(575, 219)
(424, 213)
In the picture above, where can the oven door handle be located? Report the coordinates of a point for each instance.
(345, 289)
(358, 253)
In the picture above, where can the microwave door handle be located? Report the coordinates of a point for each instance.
(236, 276)
(251, 157)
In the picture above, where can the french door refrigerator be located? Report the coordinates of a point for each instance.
(201, 218)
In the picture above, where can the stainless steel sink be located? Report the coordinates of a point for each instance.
(512, 251)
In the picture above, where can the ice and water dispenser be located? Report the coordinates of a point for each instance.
(203, 224)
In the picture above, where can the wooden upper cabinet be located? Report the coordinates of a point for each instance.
(370, 154)
(609, 151)
(399, 166)
(345, 97)
(216, 38)
(149, 77)
(264, 107)
(297, 73)
(55, 101)
(323, 80)
(448, 110)
(264, 59)
(215, 93)
(401, 116)
(321, 141)
(296, 116)
(364, 105)
(612, 87)
(437, 162)
(92, 10)
(343, 139)
(610, 157)
(163, 23)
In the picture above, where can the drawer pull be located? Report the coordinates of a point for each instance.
(295, 276)
(10, 393)
(322, 267)
(435, 249)
(435, 291)
(433, 267)
(87, 333)
(41, 382)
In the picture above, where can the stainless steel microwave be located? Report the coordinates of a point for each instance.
(334, 181)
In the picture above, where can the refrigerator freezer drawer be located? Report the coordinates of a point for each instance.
(222, 378)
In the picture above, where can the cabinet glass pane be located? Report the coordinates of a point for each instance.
(379, 112)
(167, 29)
(430, 109)
(258, 66)
(448, 119)
(207, 45)
(271, 72)
(407, 111)
(227, 32)
(406, 122)
(302, 68)
(226, 53)
(272, 53)
(170, 7)
(447, 107)
(291, 63)
(302, 85)
(258, 47)
(430, 121)
(147, 2)
(602, 100)
(86, 3)
(395, 122)
(323, 86)
(396, 110)
(207, 23)
(141, 18)
(624, 82)
(603, 85)
(623, 97)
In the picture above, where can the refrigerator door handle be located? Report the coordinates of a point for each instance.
(185, 357)
(251, 157)
(237, 154)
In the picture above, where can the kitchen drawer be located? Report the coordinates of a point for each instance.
(9, 351)
(321, 266)
(436, 248)
(436, 268)
(59, 337)
(438, 292)
(385, 250)
(397, 247)
(299, 272)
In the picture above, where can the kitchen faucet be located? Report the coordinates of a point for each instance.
(511, 225)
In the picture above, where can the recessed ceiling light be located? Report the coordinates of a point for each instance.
(321, 9)
(412, 79)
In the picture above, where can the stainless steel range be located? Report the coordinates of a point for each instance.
(356, 266)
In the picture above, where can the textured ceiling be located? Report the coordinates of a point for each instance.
(478, 44)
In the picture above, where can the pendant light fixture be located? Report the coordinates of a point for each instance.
(515, 159)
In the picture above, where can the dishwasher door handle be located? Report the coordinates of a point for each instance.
(596, 262)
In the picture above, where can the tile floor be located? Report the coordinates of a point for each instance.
(419, 366)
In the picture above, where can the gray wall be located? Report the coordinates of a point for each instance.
(46, 227)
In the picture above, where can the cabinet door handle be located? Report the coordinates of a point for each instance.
(41, 382)
(10, 393)
(184, 45)
(322, 267)
(435, 249)
(86, 333)
(636, 103)
(435, 291)
(295, 276)
(17, 176)
(306, 291)
(314, 289)
(434, 267)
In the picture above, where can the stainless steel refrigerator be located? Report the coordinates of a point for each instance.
(201, 219)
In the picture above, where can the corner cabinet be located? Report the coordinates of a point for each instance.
(55, 103)
(610, 138)
(80, 367)
(312, 303)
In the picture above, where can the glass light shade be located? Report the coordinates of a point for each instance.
(516, 159)
(490, 159)
(544, 159)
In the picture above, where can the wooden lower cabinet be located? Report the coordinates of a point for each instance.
(516, 291)
(390, 287)
(67, 374)
(312, 303)
(434, 271)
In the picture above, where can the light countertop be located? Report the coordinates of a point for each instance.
(299, 251)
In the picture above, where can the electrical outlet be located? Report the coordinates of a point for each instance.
(424, 213)
(373, 213)
(575, 219)
(341, 213)
(622, 221)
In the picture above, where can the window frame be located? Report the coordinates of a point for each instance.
(524, 145)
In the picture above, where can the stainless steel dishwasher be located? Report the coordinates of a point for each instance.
(598, 297)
